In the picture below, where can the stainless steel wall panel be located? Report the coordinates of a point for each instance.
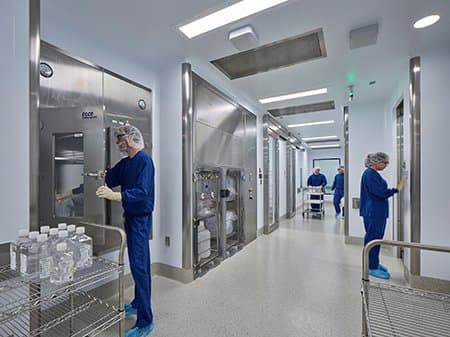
(215, 147)
(346, 173)
(291, 190)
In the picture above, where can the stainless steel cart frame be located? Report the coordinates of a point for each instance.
(307, 193)
(391, 310)
(34, 308)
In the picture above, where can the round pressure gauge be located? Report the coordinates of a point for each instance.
(45, 70)
(142, 104)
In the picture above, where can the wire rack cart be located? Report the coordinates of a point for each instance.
(35, 308)
(392, 310)
(313, 195)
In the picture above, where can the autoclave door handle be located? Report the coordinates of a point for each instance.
(99, 174)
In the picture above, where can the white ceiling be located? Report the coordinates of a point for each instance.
(145, 31)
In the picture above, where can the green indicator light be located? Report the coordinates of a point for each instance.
(351, 77)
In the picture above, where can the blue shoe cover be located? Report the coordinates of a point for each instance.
(140, 332)
(130, 310)
(382, 267)
(379, 274)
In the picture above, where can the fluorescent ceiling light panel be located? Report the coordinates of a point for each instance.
(325, 146)
(294, 95)
(310, 124)
(227, 15)
(319, 138)
(426, 21)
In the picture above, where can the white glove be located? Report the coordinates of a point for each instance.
(400, 185)
(107, 193)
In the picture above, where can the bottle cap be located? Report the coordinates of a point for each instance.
(62, 246)
(42, 238)
(62, 226)
(53, 231)
(71, 228)
(23, 232)
(33, 235)
(45, 229)
(63, 234)
(80, 230)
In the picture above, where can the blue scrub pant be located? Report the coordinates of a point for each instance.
(374, 230)
(338, 195)
(137, 229)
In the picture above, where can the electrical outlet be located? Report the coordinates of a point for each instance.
(167, 241)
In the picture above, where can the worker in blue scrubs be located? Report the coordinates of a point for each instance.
(316, 179)
(338, 188)
(135, 175)
(374, 207)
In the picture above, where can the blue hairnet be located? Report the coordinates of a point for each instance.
(375, 158)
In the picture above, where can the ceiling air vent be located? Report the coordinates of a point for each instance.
(301, 109)
(283, 53)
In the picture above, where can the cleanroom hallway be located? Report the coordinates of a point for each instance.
(301, 280)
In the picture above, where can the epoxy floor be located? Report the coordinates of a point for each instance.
(302, 280)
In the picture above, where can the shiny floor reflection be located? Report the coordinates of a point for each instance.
(302, 280)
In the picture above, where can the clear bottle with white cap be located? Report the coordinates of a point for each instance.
(63, 267)
(45, 258)
(62, 226)
(14, 249)
(45, 229)
(29, 258)
(63, 236)
(83, 249)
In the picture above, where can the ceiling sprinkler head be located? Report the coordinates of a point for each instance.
(351, 93)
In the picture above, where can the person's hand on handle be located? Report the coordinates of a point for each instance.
(107, 193)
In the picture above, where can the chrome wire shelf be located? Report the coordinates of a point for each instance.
(398, 311)
(77, 314)
(18, 294)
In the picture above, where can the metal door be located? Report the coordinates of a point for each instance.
(272, 196)
(71, 165)
(249, 187)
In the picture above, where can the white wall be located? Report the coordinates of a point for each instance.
(435, 161)
(282, 178)
(14, 95)
(366, 134)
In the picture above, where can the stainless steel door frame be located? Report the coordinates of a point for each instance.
(270, 226)
(249, 185)
(291, 190)
(346, 172)
(399, 112)
(415, 182)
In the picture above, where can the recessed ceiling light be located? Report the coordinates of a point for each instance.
(310, 123)
(227, 15)
(325, 146)
(294, 95)
(426, 21)
(319, 138)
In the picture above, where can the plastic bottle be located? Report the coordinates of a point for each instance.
(62, 268)
(45, 258)
(63, 236)
(14, 249)
(83, 249)
(62, 226)
(29, 259)
(45, 229)
(71, 229)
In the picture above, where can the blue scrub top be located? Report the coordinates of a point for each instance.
(317, 180)
(136, 177)
(374, 195)
(338, 183)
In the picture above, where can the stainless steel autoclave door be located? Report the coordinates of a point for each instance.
(72, 162)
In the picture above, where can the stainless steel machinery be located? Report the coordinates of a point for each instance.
(219, 175)
(80, 106)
